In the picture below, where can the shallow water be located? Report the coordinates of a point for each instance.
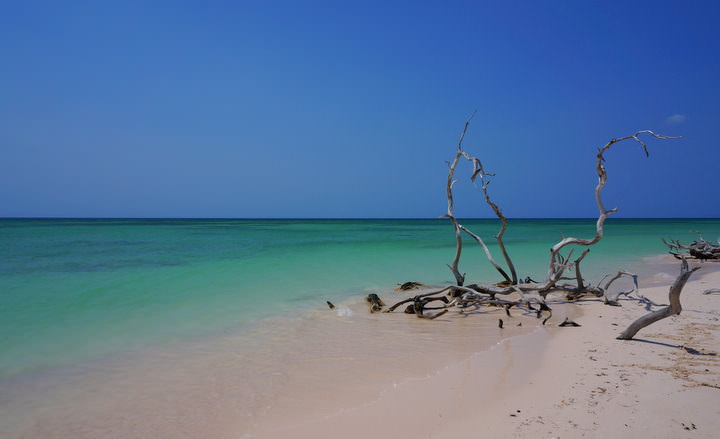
(129, 328)
(72, 290)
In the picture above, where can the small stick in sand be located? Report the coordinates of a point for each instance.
(568, 322)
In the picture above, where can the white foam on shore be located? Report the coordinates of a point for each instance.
(343, 311)
(662, 276)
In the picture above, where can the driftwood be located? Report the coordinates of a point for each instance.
(409, 286)
(612, 299)
(374, 302)
(700, 250)
(558, 264)
(528, 295)
(568, 322)
(459, 278)
(673, 309)
(563, 277)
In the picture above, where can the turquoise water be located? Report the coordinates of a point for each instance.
(73, 290)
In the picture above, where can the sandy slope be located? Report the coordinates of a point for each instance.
(666, 384)
(563, 382)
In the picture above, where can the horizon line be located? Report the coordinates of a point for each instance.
(326, 218)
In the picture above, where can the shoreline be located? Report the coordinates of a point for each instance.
(399, 405)
(396, 374)
(226, 385)
(564, 382)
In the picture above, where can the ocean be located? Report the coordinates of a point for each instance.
(81, 299)
(73, 289)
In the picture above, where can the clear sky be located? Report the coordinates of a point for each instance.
(350, 109)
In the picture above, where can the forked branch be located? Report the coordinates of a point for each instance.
(478, 171)
(488, 254)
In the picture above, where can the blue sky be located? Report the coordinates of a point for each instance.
(332, 109)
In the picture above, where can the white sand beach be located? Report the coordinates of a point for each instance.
(563, 382)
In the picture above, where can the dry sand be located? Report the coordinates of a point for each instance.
(561, 382)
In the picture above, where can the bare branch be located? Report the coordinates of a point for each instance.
(618, 276)
(701, 249)
(501, 233)
(674, 308)
(603, 213)
(479, 171)
(487, 253)
(459, 278)
(431, 293)
(578, 275)
(611, 299)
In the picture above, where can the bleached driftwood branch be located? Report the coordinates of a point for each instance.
(603, 212)
(701, 249)
(478, 171)
(673, 309)
(487, 253)
(459, 278)
(512, 293)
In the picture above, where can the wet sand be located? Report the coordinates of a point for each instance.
(284, 371)
(352, 374)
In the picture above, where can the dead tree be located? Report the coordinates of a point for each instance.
(673, 309)
(512, 292)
